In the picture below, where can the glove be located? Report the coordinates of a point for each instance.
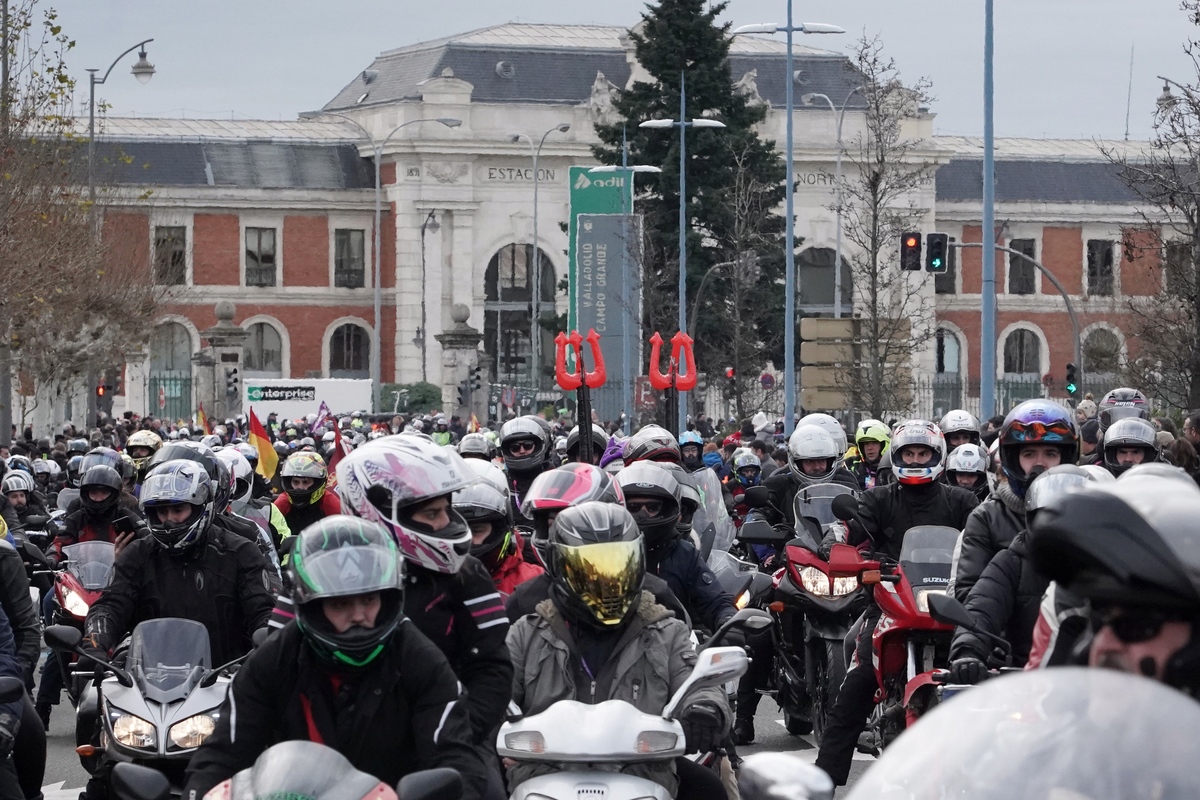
(9, 725)
(968, 670)
(703, 727)
(734, 637)
(92, 655)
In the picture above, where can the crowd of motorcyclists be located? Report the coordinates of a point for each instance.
(394, 584)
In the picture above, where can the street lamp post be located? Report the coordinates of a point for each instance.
(837, 178)
(627, 281)
(683, 123)
(377, 343)
(535, 328)
(987, 351)
(789, 312)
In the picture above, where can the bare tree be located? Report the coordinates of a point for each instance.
(886, 174)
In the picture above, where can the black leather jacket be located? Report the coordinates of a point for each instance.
(17, 605)
(990, 528)
(888, 511)
(1004, 602)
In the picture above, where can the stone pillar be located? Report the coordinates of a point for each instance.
(460, 355)
(225, 346)
(137, 383)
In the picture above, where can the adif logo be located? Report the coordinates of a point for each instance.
(583, 182)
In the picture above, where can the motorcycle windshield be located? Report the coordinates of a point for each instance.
(926, 554)
(1066, 733)
(305, 771)
(163, 653)
(712, 510)
(815, 504)
(91, 563)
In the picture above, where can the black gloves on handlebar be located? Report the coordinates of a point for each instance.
(9, 725)
(703, 727)
(734, 637)
(968, 670)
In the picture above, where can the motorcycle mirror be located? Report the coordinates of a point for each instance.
(63, 637)
(756, 530)
(845, 507)
(757, 497)
(765, 776)
(946, 609)
(747, 618)
(11, 689)
(714, 667)
(844, 560)
(135, 782)
(442, 783)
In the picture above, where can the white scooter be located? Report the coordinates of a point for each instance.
(590, 743)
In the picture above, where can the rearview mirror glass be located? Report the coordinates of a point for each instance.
(945, 608)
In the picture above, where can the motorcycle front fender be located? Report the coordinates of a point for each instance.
(609, 785)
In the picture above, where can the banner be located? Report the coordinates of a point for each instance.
(268, 459)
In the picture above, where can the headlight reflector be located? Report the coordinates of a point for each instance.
(133, 731)
(923, 598)
(193, 731)
(815, 581)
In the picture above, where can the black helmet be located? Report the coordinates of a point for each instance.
(488, 501)
(652, 443)
(652, 496)
(1130, 432)
(521, 433)
(478, 445)
(596, 564)
(689, 497)
(1048, 486)
(104, 477)
(1130, 544)
(342, 556)
(563, 487)
(218, 473)
(179, 482)
(100, 456)
(1122, 403)
(599, 443)
(74, 463)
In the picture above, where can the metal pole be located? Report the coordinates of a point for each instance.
(682, 421)
(789, 248)
(987, 358)
(837, 258)
(6, 419)
(627, 283)
(535, 333)
(377, 345)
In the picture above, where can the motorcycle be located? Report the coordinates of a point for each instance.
(813, 609)
(87, 568)
(910, 646)
(159, 707)
(589, 744)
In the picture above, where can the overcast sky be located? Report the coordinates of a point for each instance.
(1062, 66)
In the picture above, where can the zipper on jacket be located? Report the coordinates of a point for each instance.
(637, 687)
(593, 692)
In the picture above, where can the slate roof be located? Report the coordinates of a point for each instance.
(557, 64)
(1034, 181)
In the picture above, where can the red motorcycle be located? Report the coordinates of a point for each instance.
(908, 644)
(87, 569)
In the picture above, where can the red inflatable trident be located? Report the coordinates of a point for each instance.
(681, 345)
(581, 381)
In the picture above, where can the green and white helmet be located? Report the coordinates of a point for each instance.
(342, 556)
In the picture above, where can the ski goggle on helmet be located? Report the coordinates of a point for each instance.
(918, 433)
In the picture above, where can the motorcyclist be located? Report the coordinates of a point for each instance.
(1117, 404)
(652, 443)
(691, 451)
(23, 624)
(1036, 435)
(525, 445)
(99, 516)
(21, 491)
(487, 508)
(441, 432)
(347, 673)
(652, 496)
(967, 466)
(813, 457)
(141, 447)
(561, 488)
(305, 500)
(406, 483)
(599, 444)
(1130, 441)
(1006, 598)
(263, 513)
(599, 636)
(747, 473)
(69, 493)
(960, 427)
(1127, 548)
(885, 514)
(46, 475)
(10, 716)
(871, 439)
(479, 446)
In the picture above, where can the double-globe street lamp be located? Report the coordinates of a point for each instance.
(377, 339)
(683, 123)
(535, 302)
(789, 321)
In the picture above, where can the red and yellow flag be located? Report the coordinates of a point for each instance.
(202, 420)
(268, 459)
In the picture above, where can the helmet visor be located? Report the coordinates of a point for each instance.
(175, 486)
(606, 577)
(1037, 431)
(345, 571)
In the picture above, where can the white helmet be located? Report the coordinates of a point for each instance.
(809, 442)
(243, 474)
(385, 480)
(967, 458)
(831, 426)
(959, 421)
(912, 433)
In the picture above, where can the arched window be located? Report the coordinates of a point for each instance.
(949, 357)
(169, 390)
(1101, 352)
(814, 269)
(350, 352)
(171, 349)
(947, 384)
(262, 356)
(1023, 354)
(508, 292)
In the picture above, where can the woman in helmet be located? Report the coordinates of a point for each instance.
(871, 440)
(303, 477)
(346, 673)
(1036, 435)
(1130, 441)
(487, 508)
(967, 466)
(596, 565)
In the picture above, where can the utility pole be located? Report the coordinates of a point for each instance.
(6, 415)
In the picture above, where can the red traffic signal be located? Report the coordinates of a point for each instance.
(729, 373)
(910, 251)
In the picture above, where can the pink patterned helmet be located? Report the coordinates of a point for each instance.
(388, 479)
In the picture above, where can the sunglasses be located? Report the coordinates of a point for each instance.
(1134, 628)
(651, 507)
(520, 448)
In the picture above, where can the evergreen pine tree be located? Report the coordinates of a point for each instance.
(735, 190)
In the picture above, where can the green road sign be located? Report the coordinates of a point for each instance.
(595, 193)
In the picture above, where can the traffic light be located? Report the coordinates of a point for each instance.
(101, 390)
(476, 379)
(730, 380)
(937, 252)
(464, 393)
(910, 251)
(233, 382)
(1072, 381)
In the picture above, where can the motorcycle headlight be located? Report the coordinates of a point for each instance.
(656, 742)
(923, 598)
(133, 731)
(815, 581)
(193, 731)
(844, 586)
(75, 605)
(529, 741)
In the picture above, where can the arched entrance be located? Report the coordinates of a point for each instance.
(170, 384)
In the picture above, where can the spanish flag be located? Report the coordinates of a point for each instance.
(268, 459)
(473, 425)
(202, 420)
